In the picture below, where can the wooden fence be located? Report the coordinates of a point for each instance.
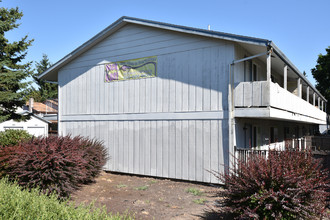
(319, 143)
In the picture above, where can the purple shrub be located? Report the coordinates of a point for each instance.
(54, 164)
(287, 185)
(95, 155)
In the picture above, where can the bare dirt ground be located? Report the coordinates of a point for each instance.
(149, 198)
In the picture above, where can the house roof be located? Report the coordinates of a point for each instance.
(51, 73)
(43, 108)
(25, 112)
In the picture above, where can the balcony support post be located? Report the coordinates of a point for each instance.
(322, 105)
(299, 87)
(307, 94)
(314, 98)
(269, 65)
(285, 86)
(319, 102)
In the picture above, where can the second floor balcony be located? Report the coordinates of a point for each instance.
(262, 99)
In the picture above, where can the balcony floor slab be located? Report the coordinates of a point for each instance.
(275, 114)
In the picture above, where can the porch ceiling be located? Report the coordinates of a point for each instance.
(277, 63)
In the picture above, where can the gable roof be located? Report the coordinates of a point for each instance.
(50, 106)
(25, 112)
(51, 73)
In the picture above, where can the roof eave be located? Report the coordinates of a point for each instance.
(197, 31)
(184, 29)
(124, 20)
(84, 47)
(25, 112)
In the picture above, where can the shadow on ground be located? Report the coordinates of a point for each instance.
(211, 214)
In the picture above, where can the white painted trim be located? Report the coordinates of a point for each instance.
(147, 116)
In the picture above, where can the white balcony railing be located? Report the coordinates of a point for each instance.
(298, 144)
(268, 94)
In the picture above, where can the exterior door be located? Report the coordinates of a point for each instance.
(256, 136)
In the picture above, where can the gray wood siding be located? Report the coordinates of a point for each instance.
(183, 149)
(192, 76)
(191, 86)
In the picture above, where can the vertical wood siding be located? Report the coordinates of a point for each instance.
(192, 76)
(183, 149)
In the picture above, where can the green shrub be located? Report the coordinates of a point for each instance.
(54, 164)
(13, 137)
(287, 185)
(16, 203)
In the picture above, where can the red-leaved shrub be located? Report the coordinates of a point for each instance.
(287, 185)
(54, 164)
(95, 155)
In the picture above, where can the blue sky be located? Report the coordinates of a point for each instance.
(300, 28)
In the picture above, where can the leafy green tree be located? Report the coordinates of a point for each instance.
(12, 69)
(321, 74)
(46, 90)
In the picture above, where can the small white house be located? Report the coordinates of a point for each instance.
(36, 125)
(174, 101)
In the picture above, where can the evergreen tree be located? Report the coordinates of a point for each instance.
(321, 74)
(12, 68)
(46, 90)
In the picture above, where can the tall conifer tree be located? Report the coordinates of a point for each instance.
(12, 69)
(46, 90)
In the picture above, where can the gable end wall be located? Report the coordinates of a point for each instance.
(174, 125)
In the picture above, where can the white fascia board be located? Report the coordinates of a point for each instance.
(275, 114)
(41, 119)
(252, 112)
(280, 114)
